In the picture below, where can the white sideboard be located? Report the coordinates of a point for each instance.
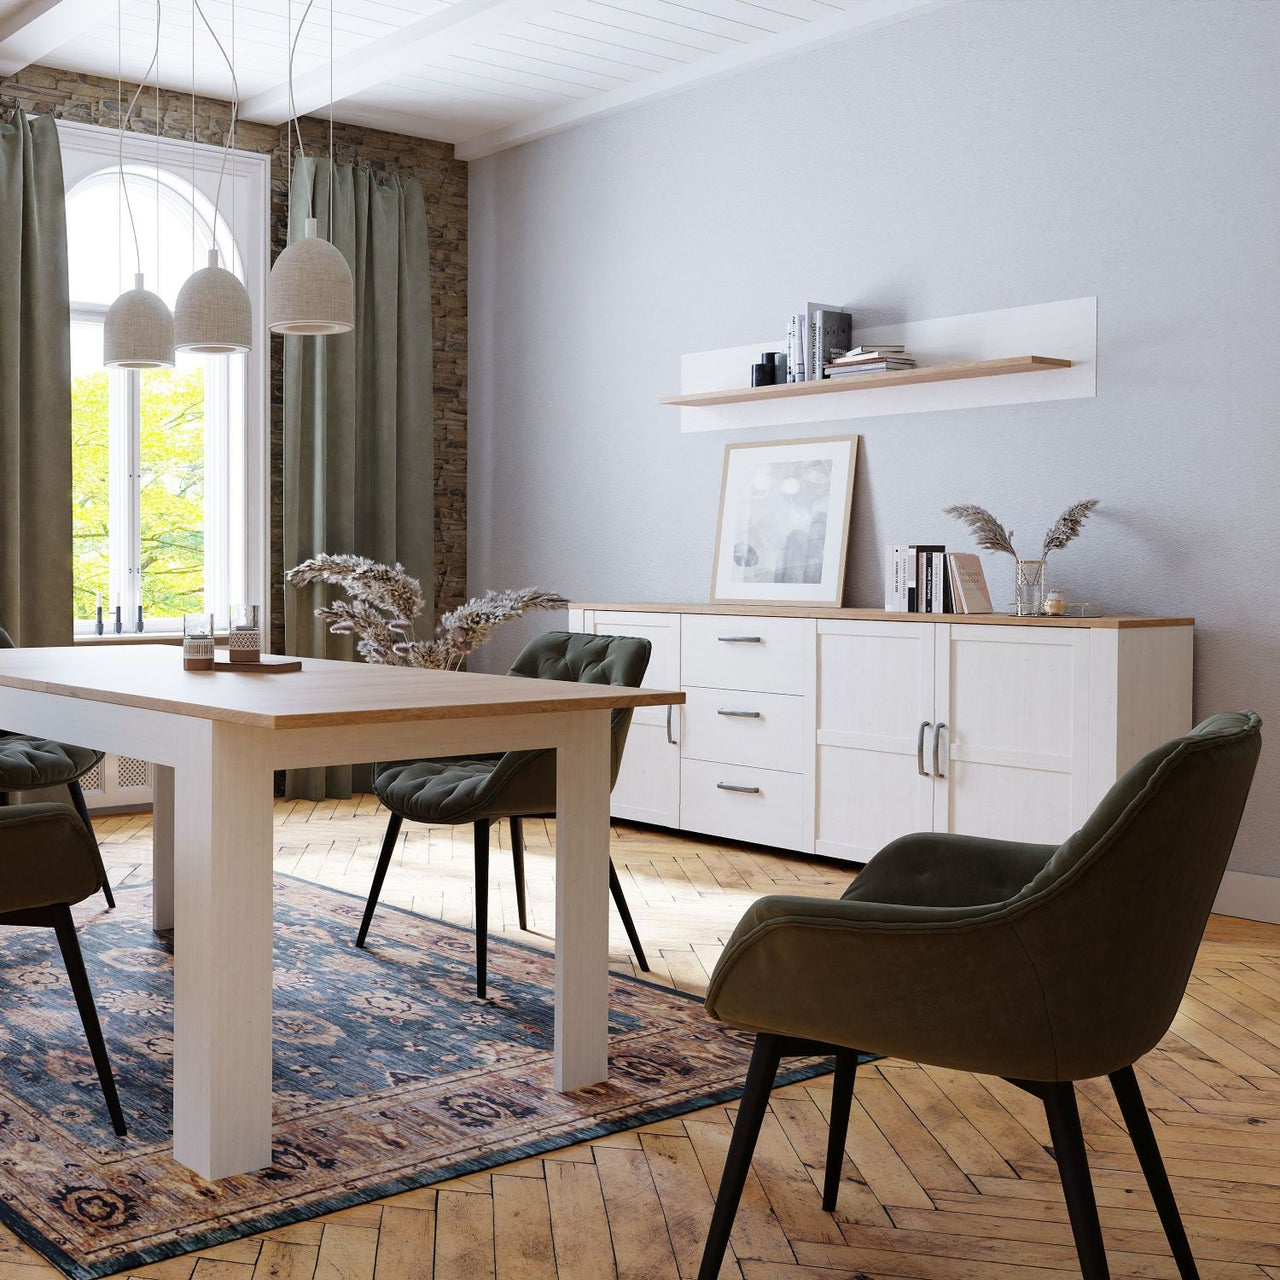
(834, 731)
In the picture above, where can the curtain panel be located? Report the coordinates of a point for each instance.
(35, 386)
(358, 431)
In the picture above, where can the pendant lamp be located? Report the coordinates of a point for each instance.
(137, 332)
(213, 316)
(310, 291)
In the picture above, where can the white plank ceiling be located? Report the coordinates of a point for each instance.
(483, 74)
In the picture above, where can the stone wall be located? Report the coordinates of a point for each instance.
(94, 100)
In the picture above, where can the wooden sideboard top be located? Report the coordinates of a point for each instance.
(762, 610)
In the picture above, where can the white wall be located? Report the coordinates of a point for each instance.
(997, 153)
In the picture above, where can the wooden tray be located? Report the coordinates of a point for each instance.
(267, 662)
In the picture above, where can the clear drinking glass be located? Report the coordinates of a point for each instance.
(197, 642)
(244, 639)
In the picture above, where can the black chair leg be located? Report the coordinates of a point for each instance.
(620, 901)
(394, 822)
(755, 1102)
(65, 928)
(841, 1101)
(517, 861)
(1077, 1185)
(1136, 1120)
(77, 800)
(482, 906)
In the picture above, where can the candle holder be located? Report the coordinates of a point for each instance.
(197, 642)
(244, 640)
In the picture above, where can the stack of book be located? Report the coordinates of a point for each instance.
(816, 335)
(860, 360)
(920, 578)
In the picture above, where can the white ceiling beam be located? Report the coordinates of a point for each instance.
(461, 25)
(407, 122)
(862, 16)
(32, 31)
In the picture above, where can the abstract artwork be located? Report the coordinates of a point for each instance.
(784, 521)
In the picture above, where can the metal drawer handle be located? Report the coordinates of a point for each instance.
(742, 715)
(740, 639)
(670, 738)
(937, 734)
(733, 786)
(924, 773)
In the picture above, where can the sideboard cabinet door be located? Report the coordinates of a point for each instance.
(648, 786)
(875, 695)
(1015, 751)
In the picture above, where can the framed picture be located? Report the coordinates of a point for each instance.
(784, 521)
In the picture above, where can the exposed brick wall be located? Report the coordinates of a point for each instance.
(93, 100)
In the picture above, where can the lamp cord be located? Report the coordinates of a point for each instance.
(235, 109)
(124, 124)
(293, 106)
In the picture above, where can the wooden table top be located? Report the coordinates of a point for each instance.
(324, 692)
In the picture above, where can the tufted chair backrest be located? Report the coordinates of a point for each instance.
(587, 659)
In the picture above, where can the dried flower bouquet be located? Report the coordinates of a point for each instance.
(385, 601)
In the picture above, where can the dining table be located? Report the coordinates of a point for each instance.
(216, 738)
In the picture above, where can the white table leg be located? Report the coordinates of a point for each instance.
(161, 847)
(222, 954)
(582, 902)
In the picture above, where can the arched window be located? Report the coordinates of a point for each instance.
(158, 513)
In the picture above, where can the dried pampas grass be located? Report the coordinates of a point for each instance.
(385, 600)
(991, 535)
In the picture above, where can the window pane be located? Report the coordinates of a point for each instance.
(172, 489)
(90, 474)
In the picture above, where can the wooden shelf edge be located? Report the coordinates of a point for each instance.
(846, 613)
(901, 378)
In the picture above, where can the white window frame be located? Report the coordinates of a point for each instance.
(237, 463)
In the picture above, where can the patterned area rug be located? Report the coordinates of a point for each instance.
(389, 1074)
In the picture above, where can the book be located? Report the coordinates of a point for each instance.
(858, 370)
(893, 580)
(969, 583)
(817, 349)
(942, 600)
(880, 346)
(920, 555)
(832, 331)
(797, 348)
(882, 353)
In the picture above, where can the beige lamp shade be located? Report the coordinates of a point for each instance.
(212, 316)
(310, 290)
(138, 331)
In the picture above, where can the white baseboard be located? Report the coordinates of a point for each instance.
(1250, 897)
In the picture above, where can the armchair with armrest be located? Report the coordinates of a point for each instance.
(1042, 965)
(47, 864)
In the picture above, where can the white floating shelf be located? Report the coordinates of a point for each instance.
(963, 363)
(865, 381)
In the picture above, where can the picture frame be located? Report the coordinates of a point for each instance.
(783, 530)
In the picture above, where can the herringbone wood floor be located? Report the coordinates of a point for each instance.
(947, 1175)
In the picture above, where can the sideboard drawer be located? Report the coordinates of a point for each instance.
(768, 655)
(766, 730)
(764, 806)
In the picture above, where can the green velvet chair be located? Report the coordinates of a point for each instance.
(47, 863)
(520, 784)
(27, 764)
(1039, 964)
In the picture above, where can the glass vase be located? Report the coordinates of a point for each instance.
(1028, 588)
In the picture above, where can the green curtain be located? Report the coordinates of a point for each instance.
(35, 386)
(358, 435)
